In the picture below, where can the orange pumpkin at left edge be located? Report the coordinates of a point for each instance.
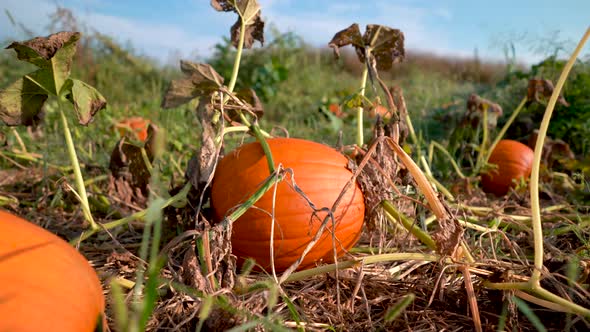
(320, 171)
(45, 284)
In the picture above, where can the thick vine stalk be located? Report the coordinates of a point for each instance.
(534, 185)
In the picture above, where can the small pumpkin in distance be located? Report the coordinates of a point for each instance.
(45, 284)
(335, 109)
(380, 110)
(321, 173)
(135, 126)
(514, 161)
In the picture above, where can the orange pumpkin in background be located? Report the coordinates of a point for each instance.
(136, 126)
(321, 173)
(45, 284)
(380, 110)
(336, 110)
(514, 161)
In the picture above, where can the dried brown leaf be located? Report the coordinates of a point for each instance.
(448, 236)
(191, 271)
(250, 102)
(249, 14)
(386, 45)
(202, 80)
(40, 50)
(542, 89)
(223, 5)
(475, 108)
(202, 166)
(349, 36)
(130, 176)
(254, 32)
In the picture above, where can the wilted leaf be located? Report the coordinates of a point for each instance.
(54, 53)
(223, 5)
(130, 174)
(191, 271)
(252, 101)
(202, 80)
(554, 150)
(86, 100)
(201, 72)
(249, 13)
(201, 167)
(21, 103)
(254, 31)
(542, 89)
(349, 36)
(386, 45)
(448, 236)
(475, 108)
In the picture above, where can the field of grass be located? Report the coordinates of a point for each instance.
(433, 255)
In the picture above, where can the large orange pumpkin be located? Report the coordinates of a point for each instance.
(45, 284)
(319, 171)
(514, 161)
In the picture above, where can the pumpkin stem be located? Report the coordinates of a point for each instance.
(534, 186)
(504, 129)
(260, 137)
(359, 111)
(83, 196)
(232, 84)
(236, 68)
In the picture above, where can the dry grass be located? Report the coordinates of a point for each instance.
(356, 298)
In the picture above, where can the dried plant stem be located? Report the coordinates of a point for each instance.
(76, 167)
(232, 84)
(394, 215)
(471, 298)
(23, 148)
(533, 285)
(435, 204)
(359, 111)
(300, 275)
(542, 293)
(236, 68)
(482, 147)
(534, 185)
(504, 129)
(435, 144)
(140, 215)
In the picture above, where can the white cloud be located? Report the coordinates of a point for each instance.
(150, 38)
(156, 40)
(33, 15)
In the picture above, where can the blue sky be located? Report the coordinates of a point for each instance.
(167, 30)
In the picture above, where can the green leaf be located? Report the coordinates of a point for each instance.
(202, 80)
(393, 312)
(54, 53)
(21, 103)
(85, 98)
